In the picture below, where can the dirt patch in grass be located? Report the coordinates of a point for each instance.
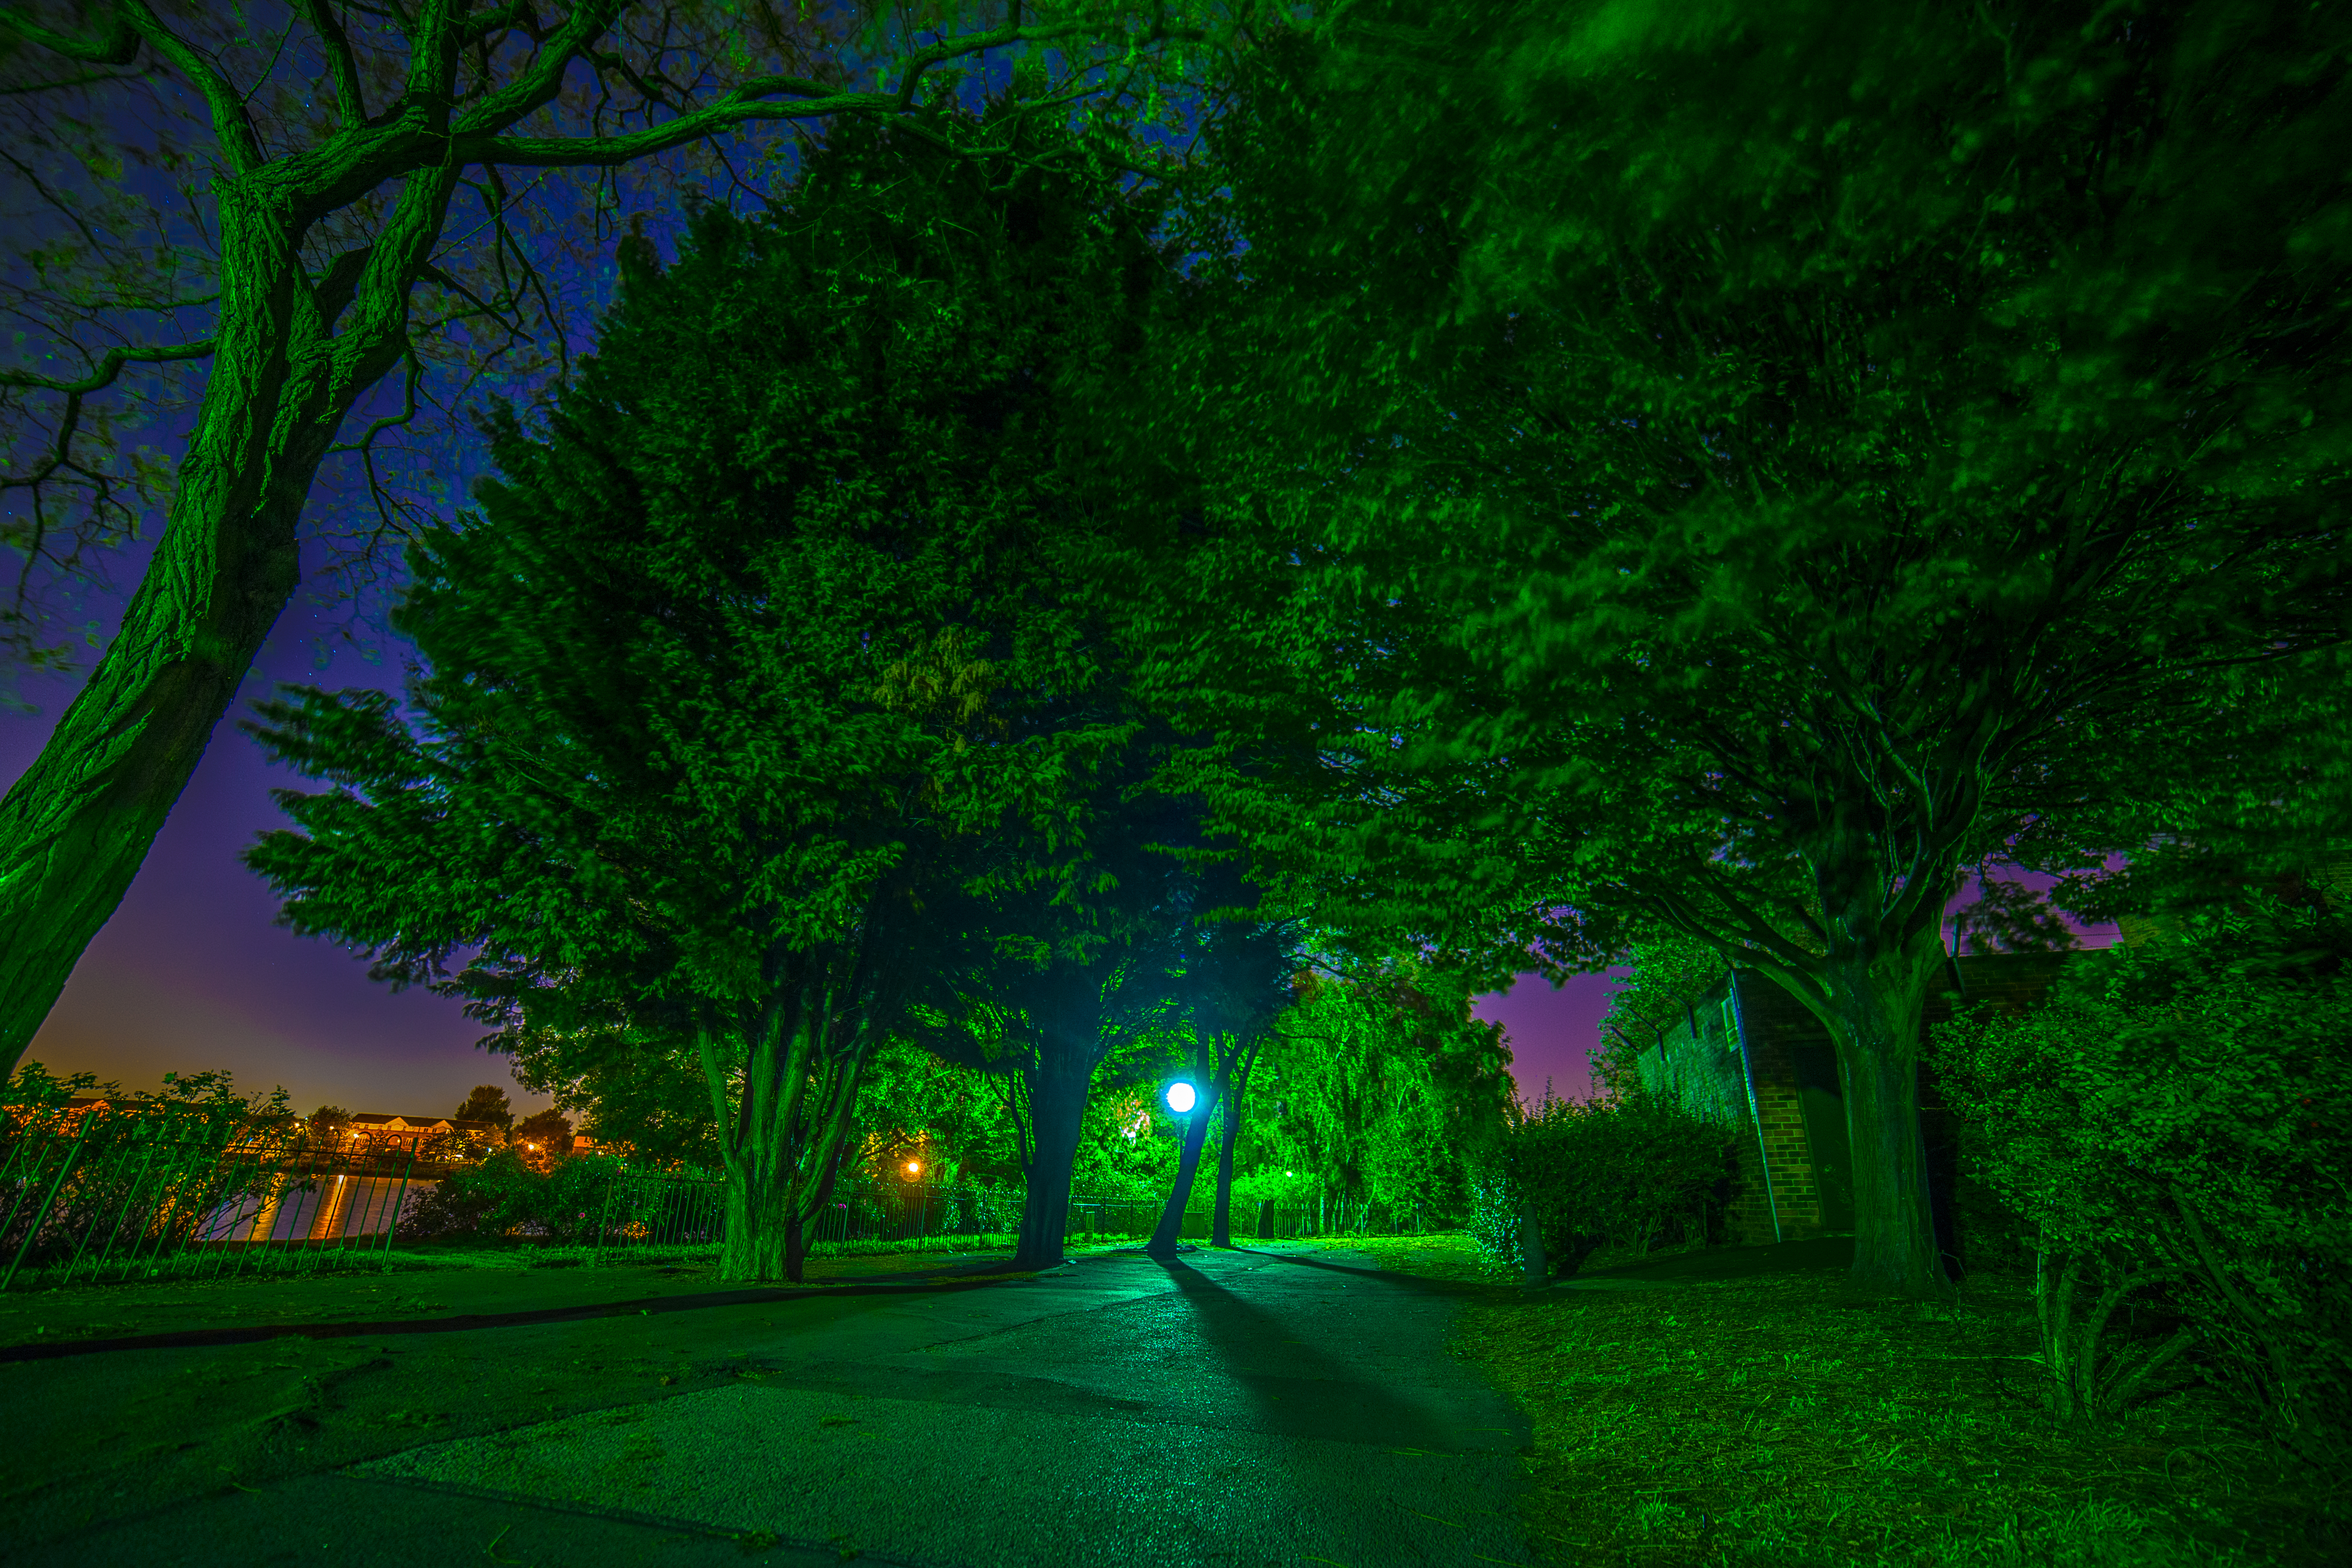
(1781, 1418)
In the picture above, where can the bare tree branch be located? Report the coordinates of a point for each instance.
(120, 45)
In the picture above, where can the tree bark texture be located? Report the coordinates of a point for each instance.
(787, 1127)
(1057, 1107)
(75, 829)
(1877, 1006)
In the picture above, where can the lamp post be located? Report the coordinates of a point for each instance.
(1181, 1099)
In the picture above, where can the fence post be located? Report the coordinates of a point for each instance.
(400, 1200)
(603, 1223)
(49, 1198)
(120, 1219)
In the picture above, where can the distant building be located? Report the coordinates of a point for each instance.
(376, 1129)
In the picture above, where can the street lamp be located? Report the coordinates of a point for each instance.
(1180, 1097)
(913, 1168)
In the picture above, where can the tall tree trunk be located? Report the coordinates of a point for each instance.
(1878, 1003)
(1168, 1233)
(1058, 1106)
(813, 1172)
(1220, 1224)
(796, 1245)
(758, 1140)
(75, 829)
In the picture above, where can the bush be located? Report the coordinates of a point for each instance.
(2175, 1124)
(505, 1197)
(1615, 1171)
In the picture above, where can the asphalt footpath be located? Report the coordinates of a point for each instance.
(1268, 1406)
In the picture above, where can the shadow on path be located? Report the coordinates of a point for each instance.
(1346, 1405)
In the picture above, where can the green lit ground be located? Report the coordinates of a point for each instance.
(1275, 1407)
(1376, 1402)
(1744, 1408)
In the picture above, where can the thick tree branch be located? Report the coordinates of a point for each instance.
(231, 124)
(108, 368)
(516, 14)
(350, 106)
(537, 87)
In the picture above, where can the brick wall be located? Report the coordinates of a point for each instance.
(1791, 1056)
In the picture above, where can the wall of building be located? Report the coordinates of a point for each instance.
(1804, 1159)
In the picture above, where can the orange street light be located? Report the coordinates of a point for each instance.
(912, 1167)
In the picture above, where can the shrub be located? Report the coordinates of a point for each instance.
(2175, 1124)
(1617, 1171)
(506, 1196)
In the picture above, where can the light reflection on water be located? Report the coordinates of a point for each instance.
(333, 1208)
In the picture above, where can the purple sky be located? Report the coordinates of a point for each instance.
(191, 973)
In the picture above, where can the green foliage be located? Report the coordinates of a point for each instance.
(758, 662)
(641, 1090)
(1615, 1171)
(188, 1101)
(1730, 467)
(2009, 916)
(1378, 1087)
(959, 1121)
(1128, 1145)
(2179, 1119)
(487, 1102)
(509, 1196)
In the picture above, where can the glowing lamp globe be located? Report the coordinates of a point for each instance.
(1180, 1098)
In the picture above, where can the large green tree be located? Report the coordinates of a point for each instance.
(1236, 955)
(1075, 969)
(723, 706)
(1382, 1088)
(1725, 468)
(229, 226)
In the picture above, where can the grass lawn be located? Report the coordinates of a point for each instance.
(441, 1282)
(1780, 1419)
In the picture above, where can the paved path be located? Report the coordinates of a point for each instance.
(1271, 1406)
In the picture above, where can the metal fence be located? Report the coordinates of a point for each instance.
(122, 1195)
(131, 1194)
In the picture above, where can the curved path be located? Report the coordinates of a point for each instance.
(1265, 1407)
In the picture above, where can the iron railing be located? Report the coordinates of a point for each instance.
(129, 1195)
